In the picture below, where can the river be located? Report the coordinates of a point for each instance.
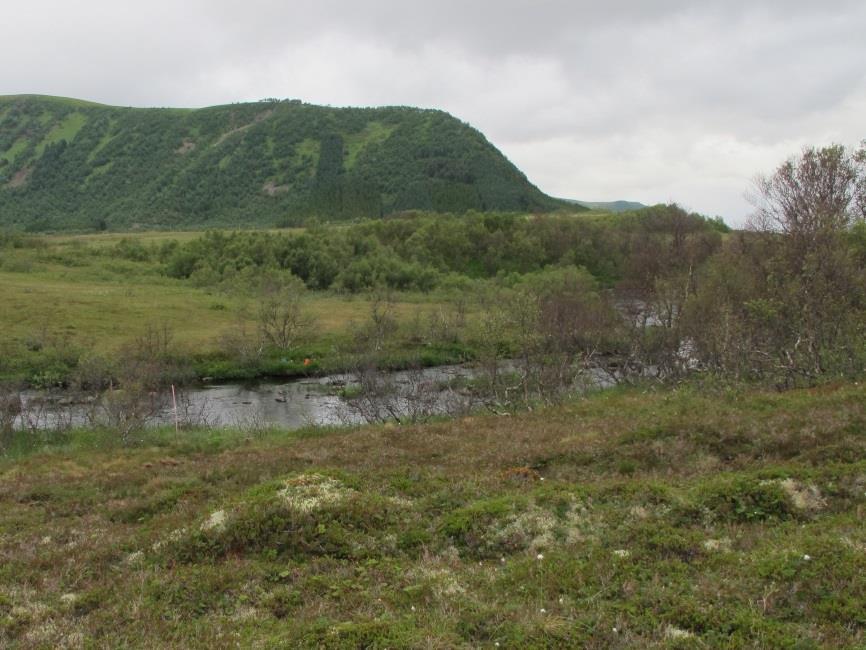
(328, 400)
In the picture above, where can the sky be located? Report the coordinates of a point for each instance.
(647, 100)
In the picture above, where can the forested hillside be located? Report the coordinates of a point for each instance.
(72, 164)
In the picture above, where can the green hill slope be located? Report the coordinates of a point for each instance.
(608, 206)
(69, 164)
(612, 206)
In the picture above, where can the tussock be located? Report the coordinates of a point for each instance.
(310, 492)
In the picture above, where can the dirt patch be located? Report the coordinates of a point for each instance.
(21, 177)
(272, 189)
(261, 117)
(186, 146)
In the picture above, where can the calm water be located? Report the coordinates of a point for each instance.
(304, 402)
(287, 404)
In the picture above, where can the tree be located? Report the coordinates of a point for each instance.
(814, 196)
(282, 318)
(797, 309)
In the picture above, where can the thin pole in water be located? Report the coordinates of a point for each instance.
(174, 402)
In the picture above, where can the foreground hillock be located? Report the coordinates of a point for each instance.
(727, 518)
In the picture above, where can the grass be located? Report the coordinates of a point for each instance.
(69, 292)
(112, 312)
(19, 146)
(65, 130)
(631, 518)
(374, 132)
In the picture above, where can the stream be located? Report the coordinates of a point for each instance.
(326, 400)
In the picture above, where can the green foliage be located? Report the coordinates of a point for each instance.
(86, 166)
(744, 500)
(347, 526)
(419, 252)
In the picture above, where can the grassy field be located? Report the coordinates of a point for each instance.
(69, 292)
(631, 518)
(109, 312)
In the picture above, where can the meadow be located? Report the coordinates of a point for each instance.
(66, 297)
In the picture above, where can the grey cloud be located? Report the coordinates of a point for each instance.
(670, 99)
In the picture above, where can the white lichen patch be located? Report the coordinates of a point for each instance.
(42, 634)
(850, 543)
(246, 613)
(216, 522)
(442, 580)
(70, 640)
(717, 545)
(174, 536)
(134, 558)
(69, 599)
(76, 538)
(676, 633)
(39, 623)
(575, 522)
(54, 634)
(639, 512)
(28, 612)
(310, 492)
(399, 502)
(25, 607)
(806, 498)
(532, 529)
(537, 529)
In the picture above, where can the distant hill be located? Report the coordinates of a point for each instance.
(609, 206)
(68, 163)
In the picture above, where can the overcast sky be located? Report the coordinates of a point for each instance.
(649, 100)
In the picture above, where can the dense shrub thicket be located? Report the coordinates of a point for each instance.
(421, 252)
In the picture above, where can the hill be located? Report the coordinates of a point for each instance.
(67, 163)
(610, 206)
